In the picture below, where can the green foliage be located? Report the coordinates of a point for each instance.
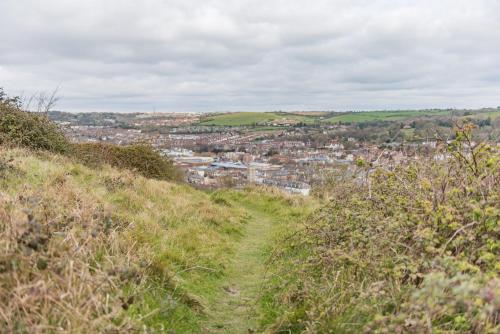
(253, 118)
(395, 115)
(140, 158)
(415, 250)
(31, 130)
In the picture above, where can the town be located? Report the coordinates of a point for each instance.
(296, 152)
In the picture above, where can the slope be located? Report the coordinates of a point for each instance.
(105, 251)
(85, 250)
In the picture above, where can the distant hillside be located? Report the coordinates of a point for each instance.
(267, 118)
(396, 115)
(254, 118)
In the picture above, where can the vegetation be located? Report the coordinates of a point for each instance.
(396, 115)
(105, 251)
(32, 130)
(35, 131)
(140, 158)
(110, 251)
(253, 118)
(85, 247)
(235, 308)
(414, 250)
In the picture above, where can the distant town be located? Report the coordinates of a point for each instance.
(292, 151)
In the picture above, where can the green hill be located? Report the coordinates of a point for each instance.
(253, 118)
(266, 118)
(365, 116)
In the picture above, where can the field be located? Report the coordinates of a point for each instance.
(266, 118)
(251, 118)
(485, 115)
(396, 115)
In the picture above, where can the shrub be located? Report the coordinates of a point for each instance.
(140, 158)
(36, 131)
(416, 254)
(31, 130)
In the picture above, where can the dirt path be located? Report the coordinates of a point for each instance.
(234, 310)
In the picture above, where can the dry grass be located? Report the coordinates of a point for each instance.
(86, 251)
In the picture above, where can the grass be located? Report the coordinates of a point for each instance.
(239, 306)
(364, 116)
(84, 250)
(233, 309)
(251, 118)
(485, 115)
(264, 118)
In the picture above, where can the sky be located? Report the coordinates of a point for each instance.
(259, 55)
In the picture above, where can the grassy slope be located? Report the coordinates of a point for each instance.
(249, 118)
(92, 238)
(385, 115)
(484, 115)
(115, 252)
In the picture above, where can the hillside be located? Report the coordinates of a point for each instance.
(254, 118)
(88, 250)
(266, 118)
(110, 251)
(87, 247)
(396, 115)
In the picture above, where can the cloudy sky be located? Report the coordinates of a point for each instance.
(214, 55)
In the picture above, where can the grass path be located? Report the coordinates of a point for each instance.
(234, 308)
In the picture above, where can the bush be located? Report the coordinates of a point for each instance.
(36, 131)
(416, 253)
(31, 130)
(140, 158)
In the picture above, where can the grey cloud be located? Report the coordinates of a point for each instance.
(253, 55)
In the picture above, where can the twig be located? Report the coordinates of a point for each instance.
(458, 231)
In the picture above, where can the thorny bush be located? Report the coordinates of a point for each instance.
(419, 253)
